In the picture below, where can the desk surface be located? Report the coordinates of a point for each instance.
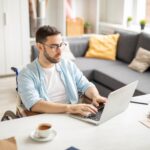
(123, 132)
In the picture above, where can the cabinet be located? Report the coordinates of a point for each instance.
(14, 37)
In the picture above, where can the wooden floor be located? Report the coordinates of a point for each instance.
(8, 98)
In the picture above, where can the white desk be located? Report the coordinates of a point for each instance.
(123, 132)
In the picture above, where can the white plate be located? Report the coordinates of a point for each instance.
(49, 138)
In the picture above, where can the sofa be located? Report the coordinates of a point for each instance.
(108, 75)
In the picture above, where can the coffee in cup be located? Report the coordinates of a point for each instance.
(43, 130)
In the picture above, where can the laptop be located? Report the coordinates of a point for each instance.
(118, 101)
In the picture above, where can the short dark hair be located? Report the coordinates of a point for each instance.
(45, 31)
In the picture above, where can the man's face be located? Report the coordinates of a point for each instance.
(53, 48)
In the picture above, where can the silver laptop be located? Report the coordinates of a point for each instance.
(118, 101)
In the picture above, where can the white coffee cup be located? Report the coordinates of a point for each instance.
(43, 130)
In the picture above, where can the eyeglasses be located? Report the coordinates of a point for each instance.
(55, 47)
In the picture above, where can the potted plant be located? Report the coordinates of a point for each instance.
(129, 20)
(87, 27)
(142, 23)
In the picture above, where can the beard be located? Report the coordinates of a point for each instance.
(50, 59)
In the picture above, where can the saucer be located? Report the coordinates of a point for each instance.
(51, 136)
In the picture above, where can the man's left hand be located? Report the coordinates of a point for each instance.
(98, 99)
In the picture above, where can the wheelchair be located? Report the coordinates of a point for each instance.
(21, 111)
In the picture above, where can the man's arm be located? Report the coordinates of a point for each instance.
(43, 106)
(84, 86)
(94, 95)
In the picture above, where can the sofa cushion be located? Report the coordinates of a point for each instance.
(104, 91)
(113, 83)
(102, 46)
(78, 45)
(127, 43)
(144, 41)
(141, 62)
(34, 52)
(114, 74)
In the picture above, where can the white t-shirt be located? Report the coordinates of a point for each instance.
(55, 87)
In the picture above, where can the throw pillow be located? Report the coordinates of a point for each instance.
(103, 46)
(67, 54)
(141, 62)
(126, 47)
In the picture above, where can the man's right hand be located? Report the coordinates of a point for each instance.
(81, 109)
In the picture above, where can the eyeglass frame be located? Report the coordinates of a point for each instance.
(55, 46)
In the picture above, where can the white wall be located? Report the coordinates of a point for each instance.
(80, 8)
(115, 10)
(55, 14)
(93, 14)
(103, 10)
(51, 13)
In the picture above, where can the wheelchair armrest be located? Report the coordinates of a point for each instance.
(23, 112)
(8, 115)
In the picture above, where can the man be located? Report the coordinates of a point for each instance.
(51, 84)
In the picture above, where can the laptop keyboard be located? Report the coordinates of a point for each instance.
(96, 116)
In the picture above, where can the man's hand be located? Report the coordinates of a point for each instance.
(93, 94)
(98, 99)
(82, 109)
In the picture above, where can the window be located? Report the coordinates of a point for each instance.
(141, 10)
